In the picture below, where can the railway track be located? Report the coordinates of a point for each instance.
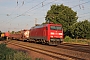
(75, 47)
(61, 52)
(46, 52)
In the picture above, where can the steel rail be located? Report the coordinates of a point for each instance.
(55, 55)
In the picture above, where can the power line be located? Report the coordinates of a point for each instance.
(26, 11)
(80, 4)
(42, 5)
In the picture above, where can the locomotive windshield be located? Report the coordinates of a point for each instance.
(55, 27)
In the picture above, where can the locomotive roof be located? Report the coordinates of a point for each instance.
(42, 25)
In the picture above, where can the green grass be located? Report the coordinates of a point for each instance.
(76, 41)
(10, 54)
(2, 38)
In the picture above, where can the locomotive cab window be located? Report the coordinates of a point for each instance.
(55, 27)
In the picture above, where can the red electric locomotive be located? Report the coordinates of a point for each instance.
(47, 33)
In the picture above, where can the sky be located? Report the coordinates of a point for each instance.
(16, 15)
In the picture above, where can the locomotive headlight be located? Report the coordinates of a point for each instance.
(60, 34)
(51, 36)
(52, 32)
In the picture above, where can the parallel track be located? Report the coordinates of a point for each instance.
(57, 55)
(45, 52)
(75, 47)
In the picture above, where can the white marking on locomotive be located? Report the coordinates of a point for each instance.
(26, 34)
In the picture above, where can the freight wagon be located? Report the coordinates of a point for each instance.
(23, 35)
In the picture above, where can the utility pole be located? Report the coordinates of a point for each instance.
(26, 27)
(35, 21)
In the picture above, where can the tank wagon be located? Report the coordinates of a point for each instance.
(51, 34)
(23, 35)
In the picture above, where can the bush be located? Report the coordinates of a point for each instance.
(9, 54)
(2, 38)
(67, 39)
(21, 56)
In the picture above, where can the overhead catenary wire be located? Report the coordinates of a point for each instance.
(34, 8)
(28, 10)
(25, 12)
(43, 5)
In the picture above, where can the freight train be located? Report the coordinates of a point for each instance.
(22, 35)
(50, 33)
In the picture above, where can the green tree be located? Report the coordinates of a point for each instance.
(81, 29)
(13, 32)
(60, 14)
(0, 33)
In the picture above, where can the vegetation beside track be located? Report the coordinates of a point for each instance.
(2, 38)
(10, 54)
(77, 41)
